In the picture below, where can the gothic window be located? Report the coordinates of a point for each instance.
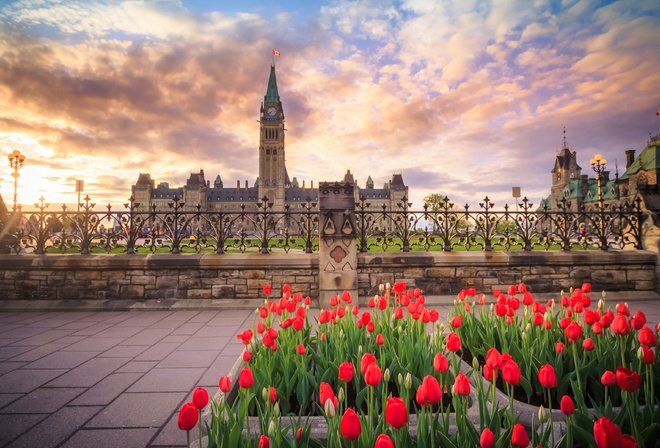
(274, 152)
(268, 152)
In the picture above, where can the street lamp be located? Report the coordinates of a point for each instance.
(16, 160)
(598, 165)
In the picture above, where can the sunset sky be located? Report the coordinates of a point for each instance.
(465, 98)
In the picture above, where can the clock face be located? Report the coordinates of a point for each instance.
(271, 112)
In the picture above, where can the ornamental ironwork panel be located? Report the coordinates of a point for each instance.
(258, 228)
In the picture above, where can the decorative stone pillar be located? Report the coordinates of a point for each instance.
(337, 242)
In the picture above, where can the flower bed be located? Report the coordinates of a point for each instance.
(378, 377)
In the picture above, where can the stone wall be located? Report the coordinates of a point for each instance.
(542, 272)
(240, 277)
(146, 277)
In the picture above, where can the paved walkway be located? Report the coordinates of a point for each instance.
(117, 379)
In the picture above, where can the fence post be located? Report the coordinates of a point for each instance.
(337, 242)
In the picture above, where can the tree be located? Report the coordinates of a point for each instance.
(437, 202)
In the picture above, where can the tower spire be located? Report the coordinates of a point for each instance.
(272, 95)
(565, 137)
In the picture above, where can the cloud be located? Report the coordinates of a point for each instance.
(460, 97)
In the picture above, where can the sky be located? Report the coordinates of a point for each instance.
(466, 98)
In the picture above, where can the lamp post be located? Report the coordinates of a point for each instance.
(16, 160)
(598, 165)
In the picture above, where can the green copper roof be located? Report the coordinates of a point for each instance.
(272, 96)
(649, 159)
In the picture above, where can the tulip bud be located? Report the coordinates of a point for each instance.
(601, 305)
(272, 428)
(408, 383)
(561, 294)
(386, 375)
(400, 379)
(528, 327)
(542, 415)
(329, 408)
(546, 316)
(475, 363)
(399, 329)
(640, 353)
(276, 409)
(387, 286)
(341, 334)
(441, 327)
(265, 394)
(492, 307)
(603, 294)
(381, 288)
(455, 302)
(256, 312)
(340, 394)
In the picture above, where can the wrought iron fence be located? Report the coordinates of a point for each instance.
(449, 228)
(139, 229)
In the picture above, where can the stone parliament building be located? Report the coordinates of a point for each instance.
(273, 181)
(640, 179)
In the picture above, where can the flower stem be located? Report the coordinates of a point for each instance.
(577, 369)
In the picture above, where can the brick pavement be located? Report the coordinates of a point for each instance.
(117, 379)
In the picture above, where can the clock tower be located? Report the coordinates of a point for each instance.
(272, 170)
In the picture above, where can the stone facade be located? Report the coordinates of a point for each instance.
(240, 277)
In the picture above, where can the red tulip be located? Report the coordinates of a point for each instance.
(245, 337)
(324, 317)
(398, 312)
(490, 374)
(608, 378)
(586, 287)
(511, 373)
(272, 394)
(380, 340)
(547, 376)
(187, 416)
(512, 290)
(453, 342)
(396, 414)
(326, 393)
(629, 441)
(538, 319)
(607, 434)
(299, 434)
(200, 398)
(573, 331)
(263, 312)
(649, 355)
(261, 327)
(264, 442)
(457, 321)
(646, 336)
(588, 344)
(399, 287)
(367, 359)
(622, 308)
(627, 379)
(493, 358)
(559, 347)
(620, 324)
(247, 356)
(462, 384)
(440, 363)
(301, 350)
(371, 327)
(591, 316)
(566, 405)
(346, 371)
(245, 378)
(519, 436)
(350, 425)
(373, 375)
(429, 391)
(384, 441)
(267, 289)
(224, 384)
(487, 439)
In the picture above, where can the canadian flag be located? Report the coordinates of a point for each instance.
(276, 53)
